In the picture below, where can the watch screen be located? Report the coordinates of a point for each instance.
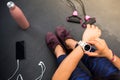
(87, 47)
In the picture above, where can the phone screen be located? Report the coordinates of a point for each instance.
(20, 50)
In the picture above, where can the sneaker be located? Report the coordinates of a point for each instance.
(52, 41)
(62, 35)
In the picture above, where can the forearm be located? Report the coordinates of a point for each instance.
(116, 59)
(68, 65)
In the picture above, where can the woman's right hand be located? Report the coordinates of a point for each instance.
(102, 49)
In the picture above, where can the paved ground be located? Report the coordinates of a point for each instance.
(44, 16)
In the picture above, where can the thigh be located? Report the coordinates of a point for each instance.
(101, 67)
(61, 58)
(78, 73)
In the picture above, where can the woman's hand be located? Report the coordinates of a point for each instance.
(102, 48)
(91, 33)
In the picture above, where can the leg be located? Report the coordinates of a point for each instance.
(78, 73)
(53, 44)
(98, 66)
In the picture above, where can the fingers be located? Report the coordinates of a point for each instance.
(101, 42)
(99, 32)
(96, 42)
(93, 27)
(93, 42)
(88, 26)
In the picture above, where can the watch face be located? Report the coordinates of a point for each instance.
(87, 47)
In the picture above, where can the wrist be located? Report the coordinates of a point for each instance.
(85, 46)
(110, 55)
(81, 50)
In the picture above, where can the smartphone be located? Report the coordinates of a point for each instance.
(20, 52)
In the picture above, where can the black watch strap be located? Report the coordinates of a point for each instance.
(76, 45)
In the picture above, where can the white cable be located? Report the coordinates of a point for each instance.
(20, 77)
(42, 65)
(15, 70)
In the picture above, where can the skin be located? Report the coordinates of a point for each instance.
(90, 35)
(68, 65)
(103, 51)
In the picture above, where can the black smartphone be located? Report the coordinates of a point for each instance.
(20, 52)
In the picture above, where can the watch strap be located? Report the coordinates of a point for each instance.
(76, 45)
(80, 43)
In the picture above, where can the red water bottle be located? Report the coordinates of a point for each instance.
(18, 15)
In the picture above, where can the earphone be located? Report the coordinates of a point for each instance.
(43, 67)
(88, 20)
(76, 19)
(41, 64)
(20, 77)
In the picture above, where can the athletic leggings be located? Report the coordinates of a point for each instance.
(100, 67)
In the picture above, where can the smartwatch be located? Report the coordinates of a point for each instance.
(85, 46)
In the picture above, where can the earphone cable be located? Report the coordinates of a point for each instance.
(15, 70)
(71, 4)
(43, 67)
(82, 5)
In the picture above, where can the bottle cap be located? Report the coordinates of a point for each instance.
(10, 4)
